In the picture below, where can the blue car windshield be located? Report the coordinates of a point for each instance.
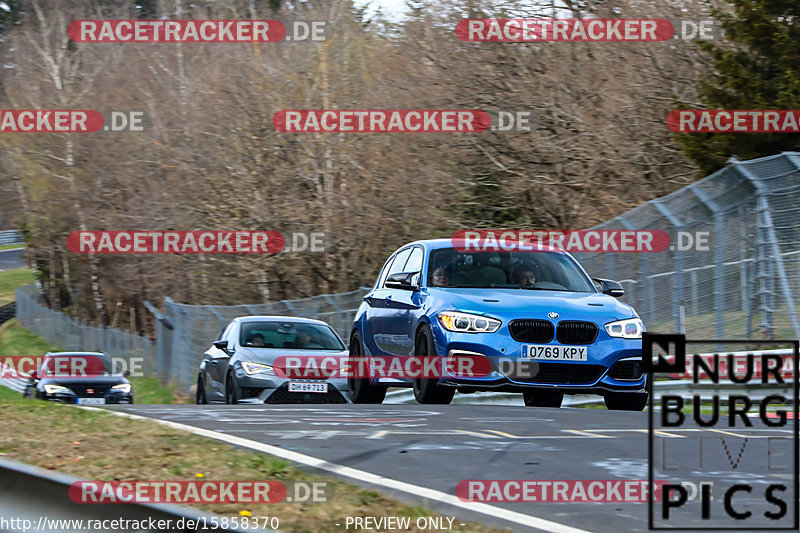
(506, 270)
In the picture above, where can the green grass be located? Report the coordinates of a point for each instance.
(10, 246)
(9, 396)
(77, 442)
(11, 280)
(150, 390)
(16, 340)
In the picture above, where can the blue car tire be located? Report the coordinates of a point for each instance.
(426, 390)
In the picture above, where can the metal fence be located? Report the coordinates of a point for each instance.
(744, 283)
(740, 283)
(73, 335)
(184, 332)
(11, 237)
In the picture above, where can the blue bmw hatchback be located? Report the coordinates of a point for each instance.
(544, 326)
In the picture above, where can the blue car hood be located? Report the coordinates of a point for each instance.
(534, 303)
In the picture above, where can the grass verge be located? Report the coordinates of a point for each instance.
(99, 446)
(11, 280)
(10, 246)
(16, 340)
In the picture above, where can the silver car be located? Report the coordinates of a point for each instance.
(248, 363)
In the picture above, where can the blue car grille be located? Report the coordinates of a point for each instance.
(566, 374)
(576, 332)
(531, 330)
(567, 332)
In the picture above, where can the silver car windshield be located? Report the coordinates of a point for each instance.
(289, 335)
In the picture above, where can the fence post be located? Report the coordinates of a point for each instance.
(643, 268)
(677, 286)
(765, 224)
(719, 259)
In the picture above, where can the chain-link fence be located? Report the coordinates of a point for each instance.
(742, 282)
(73, 335)
(184, 332)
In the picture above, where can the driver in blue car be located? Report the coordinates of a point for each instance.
(527, 278)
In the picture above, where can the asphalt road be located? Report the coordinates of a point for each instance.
(437, 446)
(11, 259)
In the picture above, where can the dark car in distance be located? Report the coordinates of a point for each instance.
(83, 378)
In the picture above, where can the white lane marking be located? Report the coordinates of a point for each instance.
(587, 434)
(361, 475)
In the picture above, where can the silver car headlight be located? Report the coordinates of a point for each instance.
(626, 329)
(467, 322)
(122, 387)
(253, 369)
(56, 389)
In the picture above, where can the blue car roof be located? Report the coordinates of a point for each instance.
(436, 244)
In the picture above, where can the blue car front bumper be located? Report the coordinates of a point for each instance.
(613, 364)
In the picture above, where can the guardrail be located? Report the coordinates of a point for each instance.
(79, 335)
(15, 384)
(184, 332)
(39, 499)
(11, 237)
(7, 312)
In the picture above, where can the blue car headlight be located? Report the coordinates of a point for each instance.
(257, 368)
(467, 322)
(626, 329)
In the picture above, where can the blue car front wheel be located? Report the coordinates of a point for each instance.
(360, 389)
(427, 390)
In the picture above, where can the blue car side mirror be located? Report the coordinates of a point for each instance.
(402, 280)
